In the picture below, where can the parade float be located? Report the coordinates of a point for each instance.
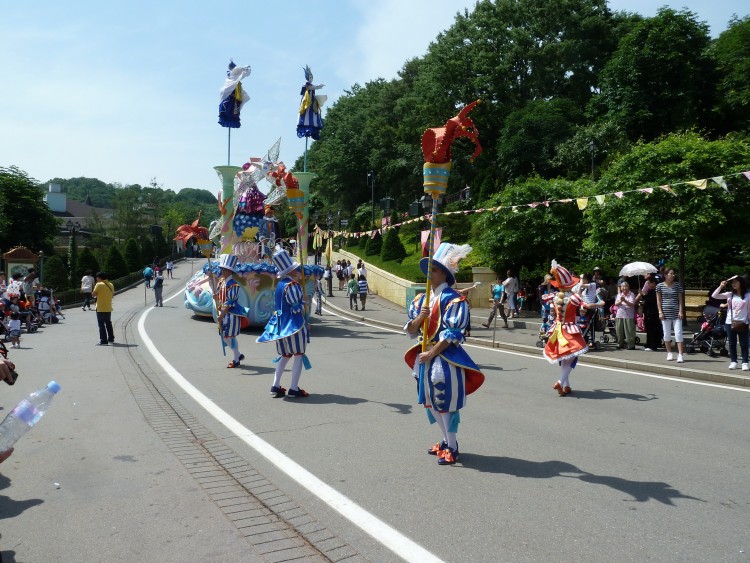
(247, 226)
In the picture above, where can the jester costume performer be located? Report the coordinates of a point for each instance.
(565, 341)
(288, 327)
(230, 312)
(448, 374)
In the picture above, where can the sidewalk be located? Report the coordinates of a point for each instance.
(523, 335)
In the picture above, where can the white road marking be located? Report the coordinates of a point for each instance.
(582, 361)
(379, 530)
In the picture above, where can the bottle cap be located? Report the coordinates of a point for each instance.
(53, 386)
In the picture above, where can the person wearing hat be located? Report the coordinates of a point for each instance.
(288, 327)
(445, 373)
(230, 312)
(104, 293)
(565, 342)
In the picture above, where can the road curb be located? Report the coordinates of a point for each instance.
(590, 359)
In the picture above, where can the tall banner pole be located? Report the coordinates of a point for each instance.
(436, 149)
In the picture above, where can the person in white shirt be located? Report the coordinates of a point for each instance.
(87, 286)
(738, 317)
(511, 290)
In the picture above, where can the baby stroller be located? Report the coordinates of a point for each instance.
(711, 339)
(610, 327)
(586, 324)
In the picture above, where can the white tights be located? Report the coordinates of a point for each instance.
(443, 420)
(296, 371)
(566, 366)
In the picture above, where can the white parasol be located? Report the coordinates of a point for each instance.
(637, 269)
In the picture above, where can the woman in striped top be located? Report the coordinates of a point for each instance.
(670, 299)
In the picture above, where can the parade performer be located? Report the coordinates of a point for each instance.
(565, 341)
(230, 312)
(449, 374)
(288, 326)
(310, 120)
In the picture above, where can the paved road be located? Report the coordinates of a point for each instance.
(632, 466)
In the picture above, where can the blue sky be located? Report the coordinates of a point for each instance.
(128, 91)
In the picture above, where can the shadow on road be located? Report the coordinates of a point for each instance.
(9, 507)
(610, 394)
(640, 491)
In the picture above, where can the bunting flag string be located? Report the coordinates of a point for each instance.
(581, 202)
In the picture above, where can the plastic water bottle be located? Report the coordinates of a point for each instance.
(26, 414)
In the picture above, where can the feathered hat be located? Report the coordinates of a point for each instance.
(561, 277)
(447, 256)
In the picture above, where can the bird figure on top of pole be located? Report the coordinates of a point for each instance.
(232, 98)
(444, 371)
(310, 120)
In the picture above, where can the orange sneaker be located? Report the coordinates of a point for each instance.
(559, 389)
(567, 390)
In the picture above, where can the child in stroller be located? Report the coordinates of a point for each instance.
(712, 336)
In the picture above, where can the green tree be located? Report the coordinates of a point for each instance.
(25, 220)
(660, 79)
(133, 257)
(147, 251)
(731, 51)
(520, 236)
(87, 262)
(115, 265)
(373, 245)
(683, 223)
(392, 248)
(55, 273)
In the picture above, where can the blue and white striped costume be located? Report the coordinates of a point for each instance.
(287, 327)
(229, 291)
(445, 383)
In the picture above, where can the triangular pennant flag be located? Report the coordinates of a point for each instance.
(533, 205)
(619, 194)
(515, 209)
(600, 199)
(747, 174)
(582, 202)
(700, 184)
(546, 203)
(720, 180)
(646, 190)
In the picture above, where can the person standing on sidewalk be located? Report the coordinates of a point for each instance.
(362, 287)
(670, 298)
(651, 321)
(738, 317)
(625, 317)
(104, 292)
(445, 373)
(288, 328)
(87, 286)
(511, 290)
(498, 303)
(158, 287)
(170, 267)
(353, 289)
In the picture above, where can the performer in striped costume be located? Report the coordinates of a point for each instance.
(230, 312)
(288, 326)
(565, 342)
(449, 374)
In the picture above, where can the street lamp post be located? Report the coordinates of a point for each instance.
(73, 250)
(371, 179)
